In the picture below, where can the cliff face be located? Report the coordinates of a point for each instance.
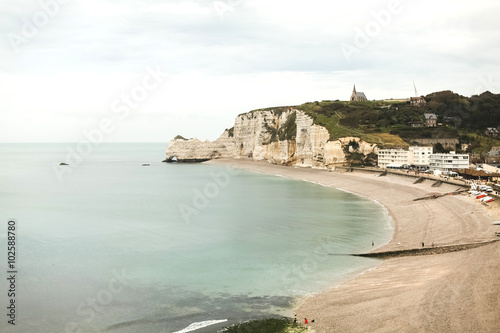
(279, 136)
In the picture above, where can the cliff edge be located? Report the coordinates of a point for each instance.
(285, 136)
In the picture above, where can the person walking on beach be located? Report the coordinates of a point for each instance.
(373, 243)
(422, 244)
(305, 320)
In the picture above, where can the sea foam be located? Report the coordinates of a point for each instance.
(201, 324)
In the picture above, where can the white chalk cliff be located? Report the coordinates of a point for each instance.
(279, 136)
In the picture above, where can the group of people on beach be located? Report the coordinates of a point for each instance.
(305, 320)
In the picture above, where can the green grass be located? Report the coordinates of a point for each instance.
(386, 123)
(270, 325)
(332, 124)
(277, 110)
(385, 140)
(480, 143)
(331, 115)
(289, 129)
(327, 114)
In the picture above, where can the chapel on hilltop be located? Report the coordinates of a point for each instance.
(358, 96)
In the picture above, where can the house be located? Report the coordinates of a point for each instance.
(357, 96)
(420, 156)
(491, 131)
(478, 174)
(415, 156)
(430, 119)
(448, 162)
(393, 158)
(493, 156)
(418, 101)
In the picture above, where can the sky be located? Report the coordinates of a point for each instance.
(147, 70)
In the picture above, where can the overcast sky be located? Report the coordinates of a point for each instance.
(147, 70)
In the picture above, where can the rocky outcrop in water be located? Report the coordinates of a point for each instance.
(282, 136)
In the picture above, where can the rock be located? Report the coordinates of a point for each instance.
(266, 135)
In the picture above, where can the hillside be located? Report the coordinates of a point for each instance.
(387, 123)
(331, 133)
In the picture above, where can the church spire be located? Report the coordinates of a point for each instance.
(357, 96)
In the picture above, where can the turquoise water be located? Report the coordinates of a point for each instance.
(110, 245)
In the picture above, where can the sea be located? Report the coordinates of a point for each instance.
(117, 241)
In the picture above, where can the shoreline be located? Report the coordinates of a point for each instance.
(448, 283)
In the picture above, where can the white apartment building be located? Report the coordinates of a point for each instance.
(393, 158)
(420, 156)
(447, 162)
(399, 158)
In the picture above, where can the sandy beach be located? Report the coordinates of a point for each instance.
(450, 292)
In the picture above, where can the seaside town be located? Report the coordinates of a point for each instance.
(447, 164)
(442, 136)
(229, 166)
(440, 186)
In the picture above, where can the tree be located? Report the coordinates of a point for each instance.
(438, 148)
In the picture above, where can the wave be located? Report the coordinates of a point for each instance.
(201, 324)
(144, 321)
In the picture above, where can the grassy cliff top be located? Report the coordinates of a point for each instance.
(388, 122)
(337, 118)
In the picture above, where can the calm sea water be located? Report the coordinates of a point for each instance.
(114, 246)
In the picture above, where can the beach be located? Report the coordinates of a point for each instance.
(450, 292)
